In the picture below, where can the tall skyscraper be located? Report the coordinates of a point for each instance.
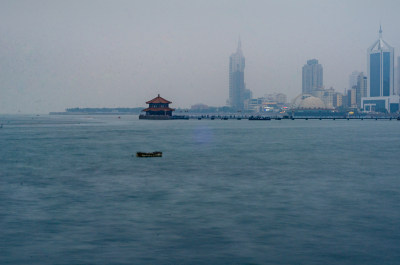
(361, 88)
(381, 91)
(398, 75)
(381, 68)
(312, 77)
(237, 92)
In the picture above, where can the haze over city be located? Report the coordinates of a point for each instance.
(60, 54)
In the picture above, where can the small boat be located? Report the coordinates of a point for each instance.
(152, 154)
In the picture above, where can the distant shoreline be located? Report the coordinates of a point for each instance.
(93, 113)
(99, 111)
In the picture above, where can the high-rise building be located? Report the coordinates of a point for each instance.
(312, 77)
(361, 88)
(353, 78)
(381, 94)
(237, 87)
(345, 99)
(352, 98)
(398, 75)
(381, 68)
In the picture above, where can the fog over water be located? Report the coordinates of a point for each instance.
(59, 54)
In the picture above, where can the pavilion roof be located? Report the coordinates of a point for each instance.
(158, 99)
(158, 109)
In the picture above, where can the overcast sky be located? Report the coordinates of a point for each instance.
(93, 53)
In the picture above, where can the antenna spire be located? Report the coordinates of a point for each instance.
(380, 31)
(239, 44)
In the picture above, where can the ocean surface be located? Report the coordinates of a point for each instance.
(224, 192)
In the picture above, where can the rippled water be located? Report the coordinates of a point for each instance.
(224, 192)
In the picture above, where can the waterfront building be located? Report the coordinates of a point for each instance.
(337, 100)
(312, 77)
(352, 98)
(328, 96)
(158, 109)
(270, 102)
(361, 88)
(345, 101)
(308, 105)
(381, 94)
(398, 75)
(254, 104)
(237, 88)
(380, 68)
(279, 98)
(308, 102)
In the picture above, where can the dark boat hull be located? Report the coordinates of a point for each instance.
(153, 154)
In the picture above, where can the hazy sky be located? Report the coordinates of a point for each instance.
(59, 54)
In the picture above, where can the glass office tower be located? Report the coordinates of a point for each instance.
(381, 91)
(381, 69)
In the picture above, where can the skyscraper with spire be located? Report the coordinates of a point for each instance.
(381, 90)
(381, 68)
(398, 75)
(237, 88)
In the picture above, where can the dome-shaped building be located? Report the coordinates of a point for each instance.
(308, 105)
(308, 102)
(312, 103)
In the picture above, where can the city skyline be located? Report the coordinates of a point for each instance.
(60, 55)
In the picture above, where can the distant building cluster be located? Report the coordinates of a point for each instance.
(269, 103)
(378, 93)
(377, 90)
(331, 99)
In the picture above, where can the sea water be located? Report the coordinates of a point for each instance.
(72, 191)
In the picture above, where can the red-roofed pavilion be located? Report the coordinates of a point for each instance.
(158, 109)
